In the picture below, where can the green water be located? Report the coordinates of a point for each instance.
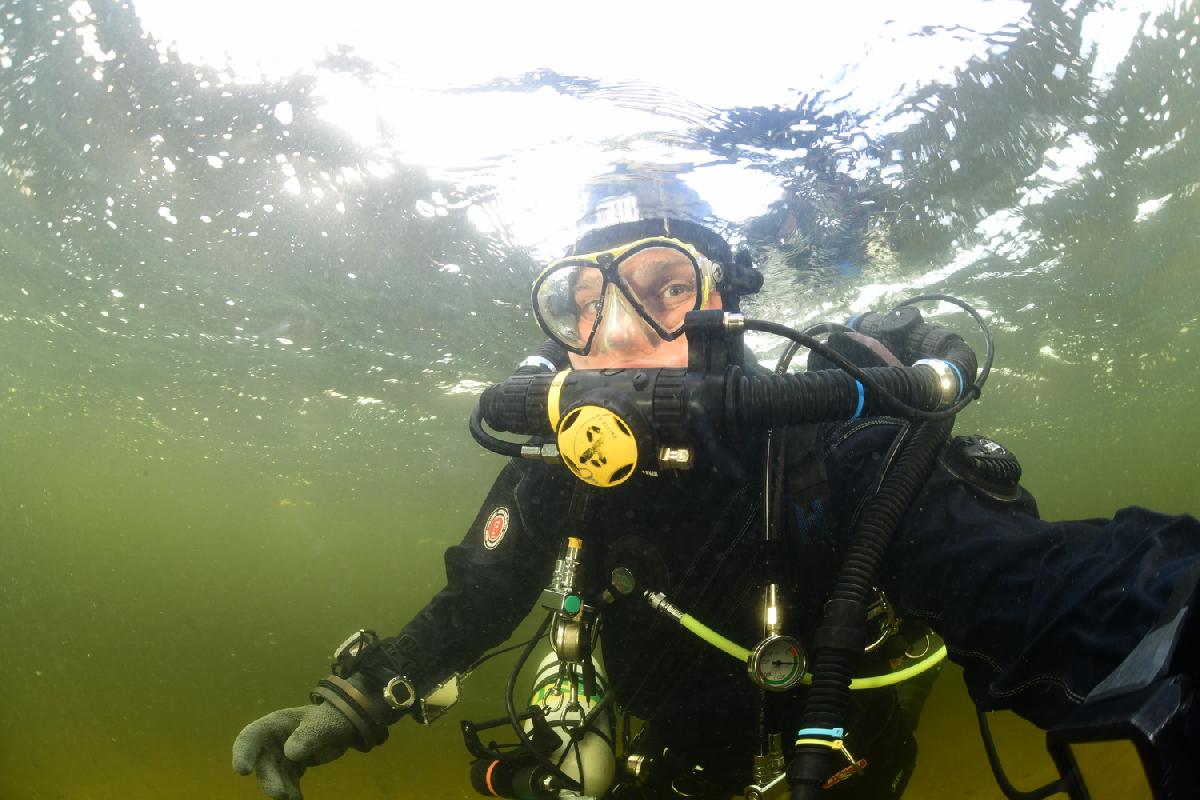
(232, 416)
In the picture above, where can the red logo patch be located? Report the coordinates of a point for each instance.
(495, 528)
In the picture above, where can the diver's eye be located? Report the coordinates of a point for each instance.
(678, 292)
(589, 310)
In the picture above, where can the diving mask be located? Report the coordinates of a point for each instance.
(660, 279)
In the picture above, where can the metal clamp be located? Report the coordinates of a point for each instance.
(949, 380)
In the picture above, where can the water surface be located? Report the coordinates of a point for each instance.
(249, 293)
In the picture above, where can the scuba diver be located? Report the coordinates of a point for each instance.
(666, 570)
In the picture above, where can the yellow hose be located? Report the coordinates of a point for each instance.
(873, 682)
(887, 679)
(715, 639)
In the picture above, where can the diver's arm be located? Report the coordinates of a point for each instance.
(493, 578)
(492, 581)
(1036, 612)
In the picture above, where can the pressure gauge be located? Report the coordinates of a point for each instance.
(777, 663)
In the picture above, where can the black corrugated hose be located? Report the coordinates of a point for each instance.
(838, 643)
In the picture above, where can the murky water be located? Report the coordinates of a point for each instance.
(248, 293)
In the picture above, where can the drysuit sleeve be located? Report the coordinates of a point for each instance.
(493, 577)
(1036, 612)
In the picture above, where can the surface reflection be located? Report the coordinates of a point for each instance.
(248, 294)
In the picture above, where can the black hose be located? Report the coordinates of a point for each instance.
(486, 440)
(838, 643)
(1010, 791)
(830, 395)
(878, 392)
(785, 360)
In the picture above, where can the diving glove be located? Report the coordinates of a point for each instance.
(281, 745)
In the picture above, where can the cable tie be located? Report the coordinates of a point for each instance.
(831, 744)
(861, 399)
(822, 743)
(828, 733)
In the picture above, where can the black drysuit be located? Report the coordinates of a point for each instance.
(1036, 612)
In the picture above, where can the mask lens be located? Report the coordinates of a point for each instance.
(569, 299)
(665, 282)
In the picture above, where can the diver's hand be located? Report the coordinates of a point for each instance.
(281, 745)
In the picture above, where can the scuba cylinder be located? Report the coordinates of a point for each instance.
(573, 730)
(566, 749)
(586, 753)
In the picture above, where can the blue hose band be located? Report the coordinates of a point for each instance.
(853, 321)
(862, 399)
(961, 382)
(831, 733)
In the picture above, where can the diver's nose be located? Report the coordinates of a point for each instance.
(622, 328)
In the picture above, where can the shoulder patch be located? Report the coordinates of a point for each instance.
(495, 527)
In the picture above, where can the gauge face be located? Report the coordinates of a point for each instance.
(777, 663)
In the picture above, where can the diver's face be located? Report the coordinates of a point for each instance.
(624, 340)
